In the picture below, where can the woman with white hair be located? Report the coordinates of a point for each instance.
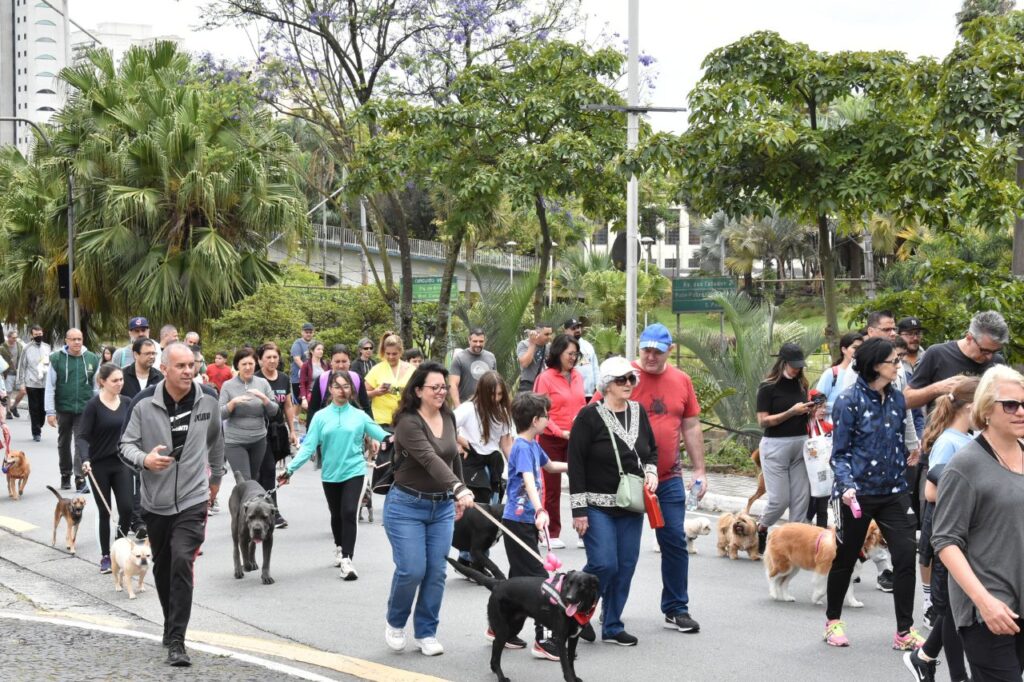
(977, 530)
(611, 454)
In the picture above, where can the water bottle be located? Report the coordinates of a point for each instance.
(694, 499)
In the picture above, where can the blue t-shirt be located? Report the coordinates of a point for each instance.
(300, 348)
(525, 455)
(946, 445)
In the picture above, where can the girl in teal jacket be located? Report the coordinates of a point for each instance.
(339, 430)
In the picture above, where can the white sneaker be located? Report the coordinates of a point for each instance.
(429, 646)
(394, 638)
(556, 543)
(580, 544)
(337, 556)
(348, 571)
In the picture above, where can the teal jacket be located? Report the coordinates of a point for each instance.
(338, 431)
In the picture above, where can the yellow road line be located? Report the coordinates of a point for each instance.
(16, 525)
(300, 653)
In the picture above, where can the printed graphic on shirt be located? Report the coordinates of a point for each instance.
(478, 368)
(657, 405)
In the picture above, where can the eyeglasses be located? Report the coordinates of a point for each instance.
(627, 379)
(895, 362)
(438, 388)
(341, 387)
(1010, 406)
(572, 356)
(986, 351)
(887, 330)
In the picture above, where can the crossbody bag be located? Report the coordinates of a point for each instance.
(629, 494)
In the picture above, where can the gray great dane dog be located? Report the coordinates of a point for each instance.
(252, 523)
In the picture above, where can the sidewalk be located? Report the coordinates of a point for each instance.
(729, 493)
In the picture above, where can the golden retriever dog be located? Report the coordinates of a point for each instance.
(695, 527)
(755, 457)
(737, 532)
(17, 468)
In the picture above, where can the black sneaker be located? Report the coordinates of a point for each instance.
(36, 437)
(682, 622)
(81, 485)
(545, 649)
(140, 532)
(65, 483)
(177, 656)
(884, 581)
(622, 639)
(929, 617)
(587, 634)
(923, 671)
(762, 539)
(14, 412)
(280, 522)
(512, 643)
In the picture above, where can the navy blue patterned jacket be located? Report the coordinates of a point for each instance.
(868, 454)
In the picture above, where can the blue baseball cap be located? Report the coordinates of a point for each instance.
(138, 323)
(656, 336)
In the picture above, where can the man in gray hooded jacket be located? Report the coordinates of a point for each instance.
(173, 433)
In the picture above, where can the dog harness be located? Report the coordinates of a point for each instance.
(552, 588)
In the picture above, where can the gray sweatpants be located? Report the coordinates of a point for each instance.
(785, 478)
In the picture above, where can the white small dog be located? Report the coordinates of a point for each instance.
(695, 526)
(129, 560)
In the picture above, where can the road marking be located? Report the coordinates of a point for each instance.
(300, 653)
(16, 525)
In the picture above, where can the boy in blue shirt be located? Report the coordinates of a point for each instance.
(524, 512)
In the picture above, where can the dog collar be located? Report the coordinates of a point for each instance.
(552, 587)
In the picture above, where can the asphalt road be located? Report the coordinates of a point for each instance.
(744, 635)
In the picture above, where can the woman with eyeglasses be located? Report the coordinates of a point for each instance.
(385, 381)
(870, 461)
(609, 438)
(485, 436)
(421, 508)
(977, 530)
(338, 430)
(563, 385)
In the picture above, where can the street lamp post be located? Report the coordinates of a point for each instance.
(511, 245)
(551, 275)
(648, 242)
(71, 217)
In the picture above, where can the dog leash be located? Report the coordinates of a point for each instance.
(99, 492)
(509, 533)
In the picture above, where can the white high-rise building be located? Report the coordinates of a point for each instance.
(117, 37)
(33, 49)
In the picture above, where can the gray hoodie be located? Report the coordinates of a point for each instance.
(184, 484)
(34, 365)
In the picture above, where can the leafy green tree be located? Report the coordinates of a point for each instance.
(605, 293)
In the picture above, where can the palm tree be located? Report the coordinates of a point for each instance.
(575, 263)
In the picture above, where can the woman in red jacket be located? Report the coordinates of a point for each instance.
(312, 368)
(563, 385)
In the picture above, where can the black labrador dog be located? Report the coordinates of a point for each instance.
(476, 534)
(563, 604)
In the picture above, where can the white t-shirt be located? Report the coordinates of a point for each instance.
(471, 429)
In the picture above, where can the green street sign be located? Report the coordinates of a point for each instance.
(689, 294)
(429, 288)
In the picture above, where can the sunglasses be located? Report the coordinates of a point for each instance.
(367, 348)
(1010, 406)
(627, 379)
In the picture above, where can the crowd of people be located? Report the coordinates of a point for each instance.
(156, 442)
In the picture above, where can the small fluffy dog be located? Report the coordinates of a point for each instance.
(737, 532)
(71, 511)
(694, 527)
(130, 560)
(17, 468)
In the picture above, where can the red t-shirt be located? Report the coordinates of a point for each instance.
(218, 375)
(669, 398)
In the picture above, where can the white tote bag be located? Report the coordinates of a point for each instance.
(817, 459)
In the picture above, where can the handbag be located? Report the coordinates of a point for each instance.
(817, 452)
(278, 439)
(385, 465)
(630, 493)
(475, 471)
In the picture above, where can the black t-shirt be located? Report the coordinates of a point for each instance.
(180, 416)
(100, 428)
(946, 360)
(282, 388)
(777, 398)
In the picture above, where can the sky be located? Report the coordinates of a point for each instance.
(677, 33)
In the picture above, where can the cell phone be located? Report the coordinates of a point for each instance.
(176, 452)
(386, 386)
(819, 400)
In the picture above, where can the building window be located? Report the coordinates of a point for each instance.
(694, 236)
(694, 262)
(46, 58)
(672, 236)
(45, 22)
(670, 263)
(601, 236)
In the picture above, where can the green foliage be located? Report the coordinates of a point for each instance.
(605, 292)
(607, 341)
(731, 455)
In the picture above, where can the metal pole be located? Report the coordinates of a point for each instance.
(362, 227)
(678, 332)
(551, 275)
(869, 264)
(632, 137)
(679, 241)
(344, 219)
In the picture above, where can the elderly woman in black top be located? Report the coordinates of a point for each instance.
(608, 439)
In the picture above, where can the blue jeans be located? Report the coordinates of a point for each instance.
(613, 547)
(675, 559)
(420, 532)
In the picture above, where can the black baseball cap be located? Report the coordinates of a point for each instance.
(908, 324)
(793, 355)
(571, 322)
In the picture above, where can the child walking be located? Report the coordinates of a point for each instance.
(524, 513)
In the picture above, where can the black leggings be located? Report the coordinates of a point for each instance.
(343, 503)
(111, 474)
(818, 506)
(246, 458)
(994, 658)
(267, 474)
(898, 529)
(944, 634)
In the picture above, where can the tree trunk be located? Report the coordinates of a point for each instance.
(439, 348)
(1018, 225)
(828, 274)
(545, 251)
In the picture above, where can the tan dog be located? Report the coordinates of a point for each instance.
(129, 560)
(755, 457)
(71, 511)
(694, 527)
(737, 532)
(17, 468)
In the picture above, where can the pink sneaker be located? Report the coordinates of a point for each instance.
(908, 642)
(835, 633)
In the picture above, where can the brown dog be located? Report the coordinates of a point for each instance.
(17, 468)
(71, 511)
(755, 457)
(737, 532)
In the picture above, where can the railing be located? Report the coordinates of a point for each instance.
(420, 248)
